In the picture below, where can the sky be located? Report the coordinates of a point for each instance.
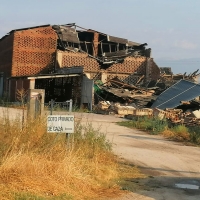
(171, 28)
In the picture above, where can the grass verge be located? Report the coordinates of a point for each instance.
(38, 165)
(152, 125)
(156, 126)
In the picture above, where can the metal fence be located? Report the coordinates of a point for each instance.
(63, 106)
(52, 106)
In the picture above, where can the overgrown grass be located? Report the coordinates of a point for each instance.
(25, 196)
(152, 125)
(178, 133)
(38, 165)
(194, 135)
(58, 107)
(156, 126)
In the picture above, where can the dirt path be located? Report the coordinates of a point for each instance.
(168, 164)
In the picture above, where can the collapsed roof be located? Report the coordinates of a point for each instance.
(43, 49)
(105, 48)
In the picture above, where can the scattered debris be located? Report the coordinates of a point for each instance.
(179, 104)
(116, 91)
(125, 110)
(104, 48)
(196, 113)
(103, 105)
(178, 116)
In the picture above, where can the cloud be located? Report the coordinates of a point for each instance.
(184, 44)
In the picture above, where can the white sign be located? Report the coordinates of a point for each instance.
(60, 123)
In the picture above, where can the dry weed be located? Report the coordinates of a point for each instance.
(167, 133)
(36, 162)
(178, 133)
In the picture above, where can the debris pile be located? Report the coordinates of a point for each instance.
(179, 103)
(116, 91)
(174, 116)
(105, 107)
(167, 78)
(124, 110)
(179, 116)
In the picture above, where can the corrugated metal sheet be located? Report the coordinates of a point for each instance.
(130, 43)
(181, 91)
(117, 39)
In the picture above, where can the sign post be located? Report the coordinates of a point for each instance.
(60, 123)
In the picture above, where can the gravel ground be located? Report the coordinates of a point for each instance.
(168, 164)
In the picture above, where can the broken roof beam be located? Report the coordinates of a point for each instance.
(69, 37)
(123, 85)
(116, 53)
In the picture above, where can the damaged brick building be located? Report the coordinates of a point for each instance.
(56, 58)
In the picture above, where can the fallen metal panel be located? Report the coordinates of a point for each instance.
(116, 53)
(69, 37)
(117, 39)
(181, 91)
(66, 33)
(130, 43)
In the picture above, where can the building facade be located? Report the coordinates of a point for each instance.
(28, 54)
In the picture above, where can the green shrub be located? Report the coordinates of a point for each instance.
(154, 125)
(194, 134)
(181, 133)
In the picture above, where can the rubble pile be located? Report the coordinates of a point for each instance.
(179, 103)
(167, 78)
(116, 91)
(178, 117)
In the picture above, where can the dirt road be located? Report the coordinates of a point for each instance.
(173, 168)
